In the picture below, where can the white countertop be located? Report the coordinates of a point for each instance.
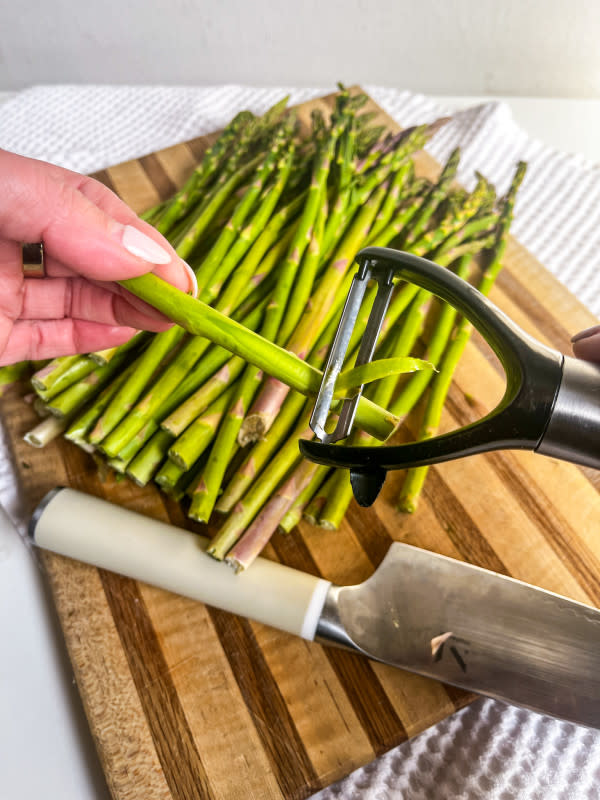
(45, 746)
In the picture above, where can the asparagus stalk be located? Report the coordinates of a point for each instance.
(392, 200)
(169, 476)
(129, 392)
(214, 268)
(256, 536)
(200, 222)
(142, 466)
(212, 476)
(294, 514)
(433, 199)
(310, 265)
(202, 320)
(211, 363)
(260, 454)
(301, 238)
(44, 379)
(246, 237)
(77, 395)
(188, 447)
(187, 197)
(200, 381)
(413, 390)
(82, 424)
(46, 431)
(314, 508)
(315, 317)
(248, 507)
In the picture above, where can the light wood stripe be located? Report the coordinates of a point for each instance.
(178, 163)
(109, 693)
(175, 746)
(208, 691)
(133, 185)
(559, 486)
(465, 534)
(318, 704)
(209, 688)
(355, 674)
(164, 185)
(270, 715)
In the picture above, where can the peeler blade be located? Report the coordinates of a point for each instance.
(337, 354)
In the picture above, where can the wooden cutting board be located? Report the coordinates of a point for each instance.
(189, 702)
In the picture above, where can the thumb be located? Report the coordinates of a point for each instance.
(83, 226)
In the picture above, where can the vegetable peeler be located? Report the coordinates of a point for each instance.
(551, 404)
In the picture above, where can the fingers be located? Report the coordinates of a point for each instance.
(34, 340)
(83, 226)
(586, 344)
(59, 298)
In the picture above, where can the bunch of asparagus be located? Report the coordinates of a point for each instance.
(271, 220)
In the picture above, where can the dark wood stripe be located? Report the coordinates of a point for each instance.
(580, 561)
(103, 176)
(459, 697)
(459, 526)
(538, 506)
(158, 176)
(281, 741)
(200, 145)
(370, 531)
(175, 745)
(275, 727)
(378, 718)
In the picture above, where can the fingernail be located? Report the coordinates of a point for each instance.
(192, 279)
(585, 334)
(142, 246)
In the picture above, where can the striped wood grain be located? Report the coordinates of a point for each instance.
(189, 702)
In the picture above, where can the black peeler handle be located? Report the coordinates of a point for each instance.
(551, 403)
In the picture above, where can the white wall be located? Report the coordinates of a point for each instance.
(532, 47)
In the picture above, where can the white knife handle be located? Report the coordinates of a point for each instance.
(97, 532)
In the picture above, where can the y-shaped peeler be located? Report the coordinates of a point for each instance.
(551, 404)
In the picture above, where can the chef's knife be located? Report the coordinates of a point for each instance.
(423, 612)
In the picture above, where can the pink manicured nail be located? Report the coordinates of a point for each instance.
(586, 333)
(142, 246)
(192, 279)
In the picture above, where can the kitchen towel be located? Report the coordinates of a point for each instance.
(488, 750)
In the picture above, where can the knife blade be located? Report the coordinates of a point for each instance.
(420, 611)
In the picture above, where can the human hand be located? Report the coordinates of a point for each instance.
(586, 344)
(91, 239)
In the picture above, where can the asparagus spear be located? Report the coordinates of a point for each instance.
(294, 513)
(314, 317)
(187, 197)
